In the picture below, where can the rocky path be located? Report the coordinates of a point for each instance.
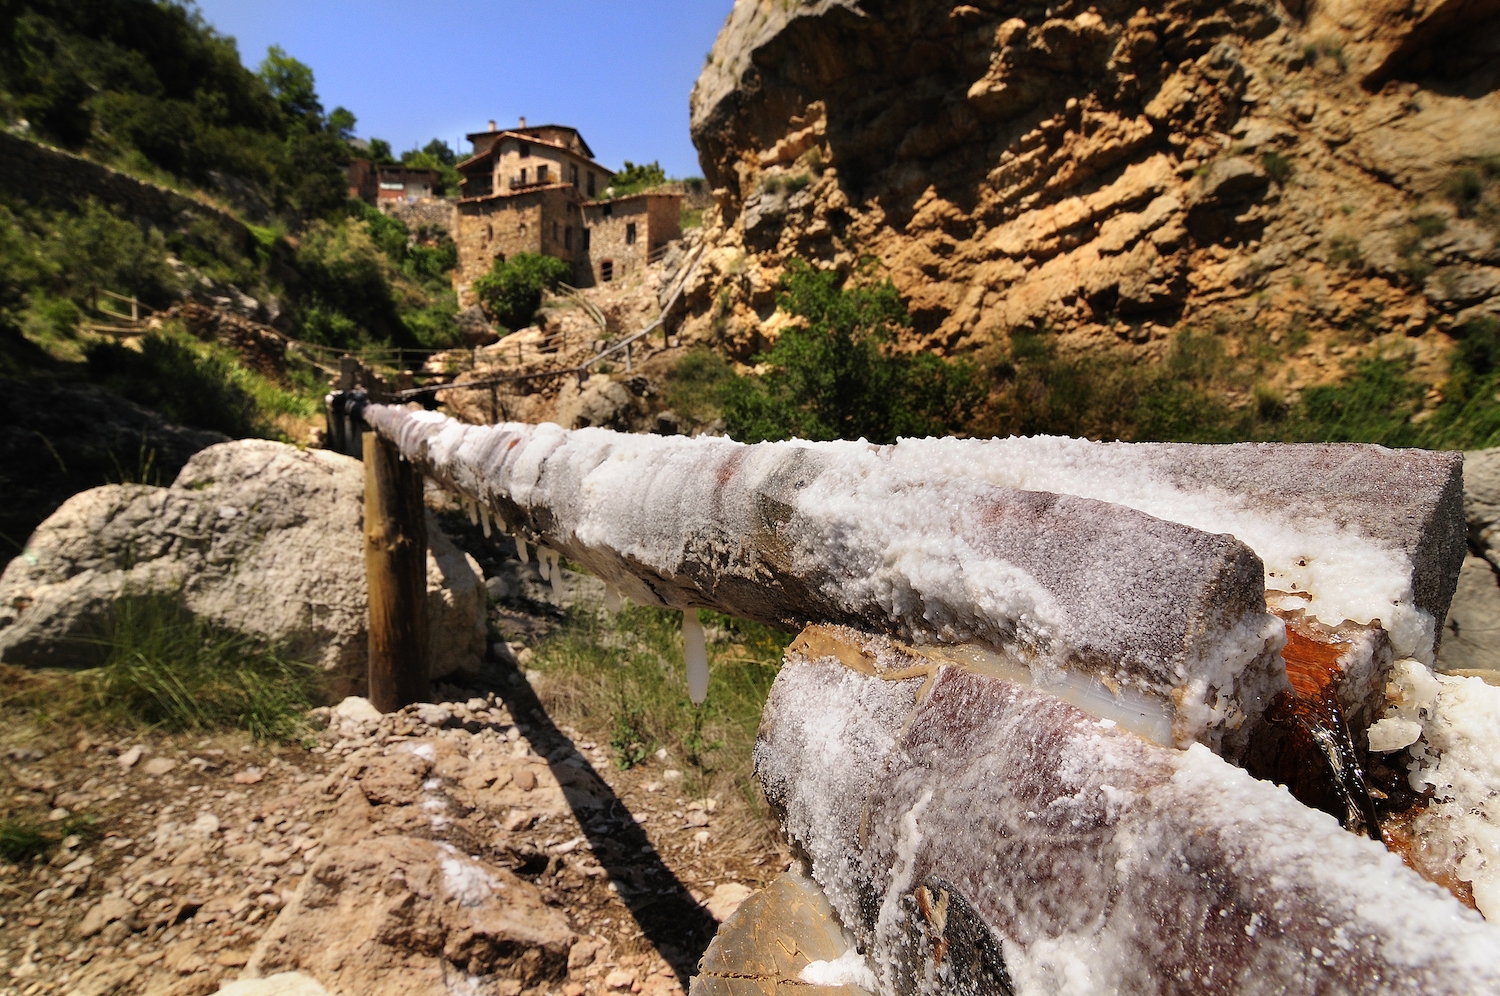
(467, 846)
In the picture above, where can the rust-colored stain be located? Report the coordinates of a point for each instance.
(1312, 666)
(1316, 757)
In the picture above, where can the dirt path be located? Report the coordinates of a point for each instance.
(198, 842)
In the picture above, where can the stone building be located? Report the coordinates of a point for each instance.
(538, 189)
(389, 182)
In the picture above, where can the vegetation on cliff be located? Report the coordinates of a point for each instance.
(837, 375)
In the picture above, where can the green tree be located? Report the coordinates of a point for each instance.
(291, 83)
(439, 150)
(839, 376)
(341, 122)
(512, 290)
(380, 151)
(436, 156)
(635, 178)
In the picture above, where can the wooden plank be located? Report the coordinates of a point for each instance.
(396, 570)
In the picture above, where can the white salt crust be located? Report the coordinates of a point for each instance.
(1105, 865)
(1458, 759)
(848, 969)
(1146, 604)
(1349, 574)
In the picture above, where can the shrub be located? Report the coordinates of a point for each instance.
(840, 377)
(172, 374)
(349, 295)
(1277, 166)
(1344, 251)
(512, 291)
(692, 388)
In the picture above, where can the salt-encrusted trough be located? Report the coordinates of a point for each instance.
(1162, 623)
(979, 836)
(995, 743)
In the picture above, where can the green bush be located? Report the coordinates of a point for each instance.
(174, 375)
(839, 375)
(1278, 167)
(693, 387)
(512, 291)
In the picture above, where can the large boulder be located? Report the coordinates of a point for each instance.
(398, 915)
(256, 536)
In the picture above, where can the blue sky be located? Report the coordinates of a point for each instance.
(619, 72)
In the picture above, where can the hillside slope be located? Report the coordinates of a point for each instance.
(1321, 179)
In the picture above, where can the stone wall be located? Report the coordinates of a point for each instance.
(657, 221)
(429, 212)
(41, 173)
(500, 227)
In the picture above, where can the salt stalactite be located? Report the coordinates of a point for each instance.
(484, 520)
(543, 563)
(611, 599)
(472, 507)
(695, 648)
(521, 550)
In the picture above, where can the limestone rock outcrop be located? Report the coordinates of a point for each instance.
(256, 536)
(399, 915)
(1108, 171)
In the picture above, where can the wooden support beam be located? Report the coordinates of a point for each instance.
(396, 569)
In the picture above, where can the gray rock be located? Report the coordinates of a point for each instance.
(1461, 285)
(395, 915)
(600, 402)
(256, 536)
(1482, 502)
(1230, 180)
(1471, 633)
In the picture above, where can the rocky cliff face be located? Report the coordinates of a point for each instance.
(1112, 171)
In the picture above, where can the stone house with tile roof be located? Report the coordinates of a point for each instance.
(538, 189)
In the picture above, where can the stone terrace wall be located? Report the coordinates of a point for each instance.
(433, 212)
(40, 172)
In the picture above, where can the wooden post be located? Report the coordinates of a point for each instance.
(333, 417)
(396, 570)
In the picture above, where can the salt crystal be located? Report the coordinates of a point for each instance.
(695, 649)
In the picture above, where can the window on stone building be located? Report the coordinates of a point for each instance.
(573, 175)
(630, 234)
(541, 174)
(568, 237)
(523, 175)
(525, 150)
(587, 236)
(591, 185)
(607, 270)
(609, 211)
(489, 232)
(554, 231)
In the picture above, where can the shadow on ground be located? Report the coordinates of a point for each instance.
(666, 913)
